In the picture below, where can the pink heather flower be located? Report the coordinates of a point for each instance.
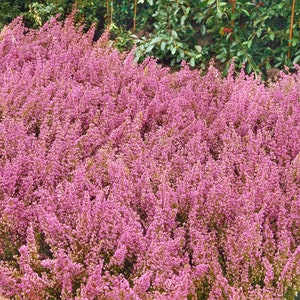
(119, 256)
(142, 284)
(201, 269)
(269, 277)
(126, 181)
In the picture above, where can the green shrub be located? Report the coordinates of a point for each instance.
(255, 34)
(173, 38)
(8, 11)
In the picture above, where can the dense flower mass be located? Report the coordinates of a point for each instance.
(125, 181)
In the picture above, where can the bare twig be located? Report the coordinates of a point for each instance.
(291, 28)
(134, 15)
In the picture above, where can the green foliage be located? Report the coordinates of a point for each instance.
(123, 13)
(259, 32)
(255, 34)
(124, 40)
(91, 11)
(173, 38)
(8, 11)
(39, 13)
(145, 12)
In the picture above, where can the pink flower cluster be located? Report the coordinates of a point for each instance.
(120, 181)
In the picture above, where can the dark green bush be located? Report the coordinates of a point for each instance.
(9, 10)
(253, 33)
(173, 38)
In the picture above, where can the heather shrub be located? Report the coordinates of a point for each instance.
(126, 181)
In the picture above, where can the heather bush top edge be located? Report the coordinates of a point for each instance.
(124, 181)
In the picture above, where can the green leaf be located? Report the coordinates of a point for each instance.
(174, 34)
(198, 48)
(163, 46)
(221, 57)
(181, 53)
(192, 62)
(240, 53)
(257, 21)
(156, 40)
(182, 20)
(272, 36)
(296, 59)
(203, 29)
(210, 20)
(234, 16)
(249, 44)
(294, 42)
(253, 15)
(189, 53)
(149, 48)
(259, 32)
(219, 12)
(248, 68)
(245, 12)
(173, 50)
(209, 2)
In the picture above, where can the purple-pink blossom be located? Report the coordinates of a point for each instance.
(126, 181)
